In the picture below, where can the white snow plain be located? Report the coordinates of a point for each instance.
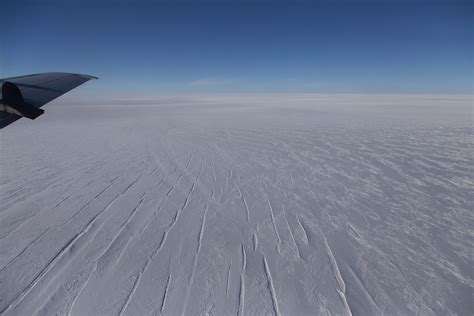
(240, 204)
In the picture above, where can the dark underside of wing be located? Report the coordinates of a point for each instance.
(35, 91)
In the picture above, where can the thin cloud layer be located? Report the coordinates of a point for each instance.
(208, 82)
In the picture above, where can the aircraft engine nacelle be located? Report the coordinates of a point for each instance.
(12, 102)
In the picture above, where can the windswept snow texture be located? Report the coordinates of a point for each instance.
(242, 205)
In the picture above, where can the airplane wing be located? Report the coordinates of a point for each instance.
(24, 96)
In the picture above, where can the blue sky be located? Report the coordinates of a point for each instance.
(244, 46)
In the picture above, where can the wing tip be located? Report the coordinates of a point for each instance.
(89, 77)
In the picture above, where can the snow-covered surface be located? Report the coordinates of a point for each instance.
(240, 204)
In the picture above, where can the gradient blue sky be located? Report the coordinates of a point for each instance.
(244, 46)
